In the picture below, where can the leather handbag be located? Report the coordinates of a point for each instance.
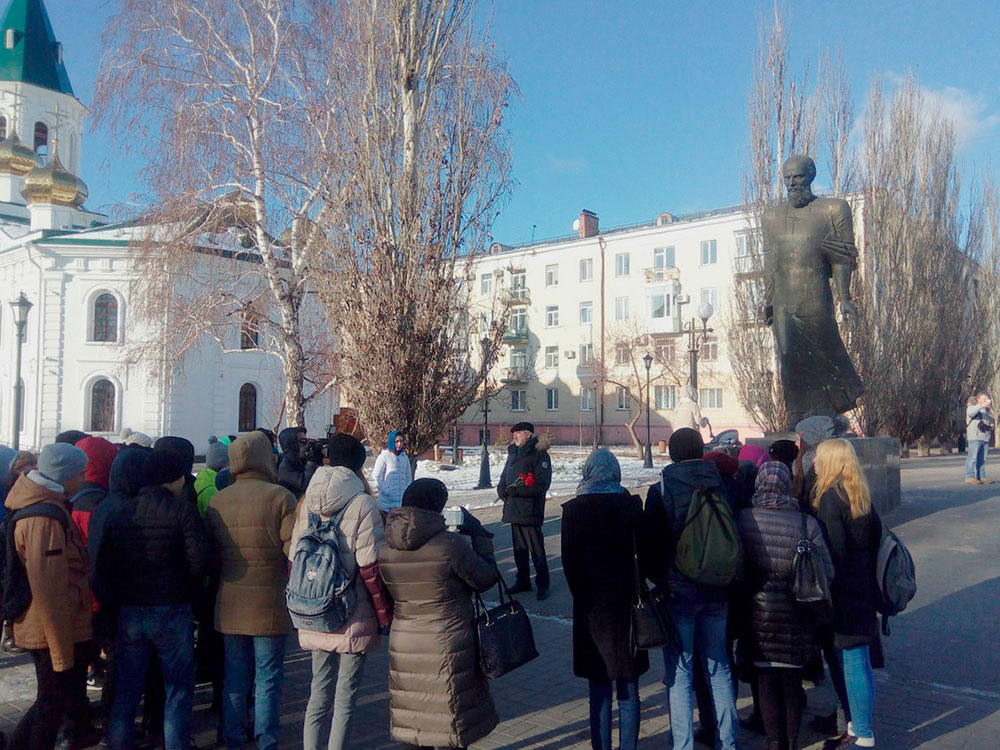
(652, 624)
(504, 640)
(810, 583)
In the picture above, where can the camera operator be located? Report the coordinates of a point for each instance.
(298, 460)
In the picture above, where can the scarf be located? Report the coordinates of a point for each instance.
(774, 487)
(601, 475)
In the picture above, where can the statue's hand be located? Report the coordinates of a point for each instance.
(849, 308)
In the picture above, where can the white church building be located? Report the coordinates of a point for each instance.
(75, 270)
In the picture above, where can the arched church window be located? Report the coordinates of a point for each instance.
(102, 406)
(3, 127)
(248, 408)
(105, 318)
(42, 140)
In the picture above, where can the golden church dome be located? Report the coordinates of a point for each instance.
(54, 184)
(15, 157)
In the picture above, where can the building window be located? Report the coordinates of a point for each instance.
(552, 316)
(249, 331)
(741, 245)
(486, 283)
(587, 269)
(710, 350)
(586, 312)
(102, 406)
(586, 354)
(519, 359)
(517, 400)
(485, 322)
(663, 257)
(664, 397)
(711, 296)
(552, 356)
(659, 305)
(3, 126)
(709, 254)
(248, 408)
(621, 355)
(552, 399)
(552, 275)
(710, 398)
(105, 318)
(518, 279)
(41, 142)
(519, 322)
(586, 399)
(623, 400)
(665, 352)
(622, 264)
(621, 308)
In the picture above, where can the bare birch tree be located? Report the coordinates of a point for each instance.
(422, 167)
(228, 102)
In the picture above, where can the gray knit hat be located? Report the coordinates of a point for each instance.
(61, 461)
(217, 455)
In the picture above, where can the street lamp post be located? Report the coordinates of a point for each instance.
(648, 461)
(485, 482)
(20, 306)
(593, 404)
(696, 338)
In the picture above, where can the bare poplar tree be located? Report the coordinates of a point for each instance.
(228, 102)
(422, 166)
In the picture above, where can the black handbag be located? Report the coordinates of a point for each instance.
(810, 583)
(652, 624)
(504, 640)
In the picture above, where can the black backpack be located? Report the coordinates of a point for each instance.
(14, 587)
(895, 576)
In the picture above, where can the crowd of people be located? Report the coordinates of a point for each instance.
(145, 577)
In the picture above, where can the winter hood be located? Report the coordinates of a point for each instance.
(101, 454)
(535, 443)
(288, 439)
(412, 528)
(390, 443)
(25, 493)
(252, 454)
(691, 475)
(125, 477)
(331, 488)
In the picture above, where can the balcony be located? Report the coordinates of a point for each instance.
(517, 296)
(660, 274)
(516, 335)
(746, 265)
(515, 375)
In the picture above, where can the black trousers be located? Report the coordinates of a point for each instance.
(781, 705)
(60, 695)
(528, 540)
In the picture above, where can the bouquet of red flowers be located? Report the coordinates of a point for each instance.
(523, 480)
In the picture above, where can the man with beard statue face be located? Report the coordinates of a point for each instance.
(808, 241)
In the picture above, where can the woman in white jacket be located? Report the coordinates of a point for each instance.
(392, 473)
(338, 658)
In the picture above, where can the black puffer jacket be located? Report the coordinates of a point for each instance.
(293, 474)
(779, 630)
(156, 550)
(522, 504)
(853, 546)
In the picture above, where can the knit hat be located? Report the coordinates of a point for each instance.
(7, 456)
(129, 437)
(428, 494)
(686, 445)
(70, 437)
(217, 455)
(60, 461)
(523, 426)
(100, 455)
(785, 451)
(181, 446)
(346, 450)
(726, 464)
(162, 466)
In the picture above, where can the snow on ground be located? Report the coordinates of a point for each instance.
(567, 468)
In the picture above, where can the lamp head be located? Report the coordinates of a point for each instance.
(20, 306)
(648, 359)
(705, 311)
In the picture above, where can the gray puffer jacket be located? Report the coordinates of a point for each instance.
(975, 414)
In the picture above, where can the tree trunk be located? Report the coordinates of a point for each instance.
(636, 442)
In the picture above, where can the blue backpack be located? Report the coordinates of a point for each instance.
(320, 595)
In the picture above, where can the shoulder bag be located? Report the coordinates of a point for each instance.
(652, 624)
(810, 584)
(504, 640)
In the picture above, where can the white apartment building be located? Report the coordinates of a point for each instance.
(575, 300)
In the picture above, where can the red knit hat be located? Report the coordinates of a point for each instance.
(100, 455)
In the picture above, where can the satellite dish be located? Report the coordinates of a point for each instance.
(576, 225)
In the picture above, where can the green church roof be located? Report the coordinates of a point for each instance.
(36, 56)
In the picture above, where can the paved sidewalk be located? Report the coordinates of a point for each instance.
(940, 689)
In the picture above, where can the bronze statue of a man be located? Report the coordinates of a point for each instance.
(808, 241)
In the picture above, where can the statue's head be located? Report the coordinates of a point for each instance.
(798, 172)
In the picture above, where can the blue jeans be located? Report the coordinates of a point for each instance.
(860, 680)
(600, 714)
(335, 682)
(706, 624)
(975, 459)
(261, 659)
(167, 631)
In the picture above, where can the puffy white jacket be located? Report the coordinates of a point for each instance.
(391, 477)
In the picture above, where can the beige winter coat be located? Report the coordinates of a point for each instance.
(251, 525)
(686, 414)
(360, 537)
(438, 697)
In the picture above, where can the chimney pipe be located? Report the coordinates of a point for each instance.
(588, 224)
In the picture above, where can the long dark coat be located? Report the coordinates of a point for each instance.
(523, 505)
(597, 539)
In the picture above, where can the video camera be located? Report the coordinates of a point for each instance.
(464, 522)
(315, 450)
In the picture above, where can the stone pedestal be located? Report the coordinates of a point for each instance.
(879, 458)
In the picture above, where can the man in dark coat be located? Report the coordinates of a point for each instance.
(293, 472)
(525, 480)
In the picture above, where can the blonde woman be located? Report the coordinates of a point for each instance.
(843, 505)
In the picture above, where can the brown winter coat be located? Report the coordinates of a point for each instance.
(438, 697)
(57, 566)
(251, 525)
(361, 538)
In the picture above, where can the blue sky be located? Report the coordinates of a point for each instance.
(632, 107)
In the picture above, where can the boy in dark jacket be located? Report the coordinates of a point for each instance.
(156, 553)
(523, 483)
